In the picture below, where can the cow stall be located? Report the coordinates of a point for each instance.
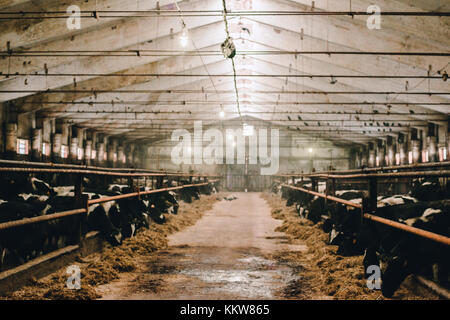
(402, 234)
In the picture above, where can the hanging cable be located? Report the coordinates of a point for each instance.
(232, 60)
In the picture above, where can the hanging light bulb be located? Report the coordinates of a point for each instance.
(222, 114)
(184, 38)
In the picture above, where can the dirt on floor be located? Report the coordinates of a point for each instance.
(113, 262)
(222, 256)
(253, 247)
(324, 273)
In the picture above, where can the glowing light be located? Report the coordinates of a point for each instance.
(310, 150)
(222, 114)
(22, 146)
(184, 38)
(80, 154)
(397, 158)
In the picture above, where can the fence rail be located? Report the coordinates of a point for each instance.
(430, 165)
(326, 196)
(54, 216)
(98, 172)
(423, 233)
(440, 173)
(85, 167)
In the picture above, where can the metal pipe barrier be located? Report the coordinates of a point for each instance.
(323, 195)
(27, 221)
(387, 168)
(93, 168)
(441, 173)
(102, 173)
(423, 233)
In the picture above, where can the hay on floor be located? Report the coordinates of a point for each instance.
(103, 267)
(324, 273)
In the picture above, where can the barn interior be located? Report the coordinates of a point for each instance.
(274, 116)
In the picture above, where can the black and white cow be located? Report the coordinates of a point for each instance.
(429, 190)
(101, 217)
(187, 194)
(25, 242)
(401, 253)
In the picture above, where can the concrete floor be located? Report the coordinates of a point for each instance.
(222, 256)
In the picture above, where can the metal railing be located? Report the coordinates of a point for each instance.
(367, 210)
(422, 166)
(54, 216)
(83, 202)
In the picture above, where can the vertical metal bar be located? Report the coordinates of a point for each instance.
(314, 184)
(373, 194)
(78, 187)
(130, 183)
(79, 203)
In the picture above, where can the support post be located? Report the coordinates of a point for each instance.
(81, 201)
(314, 184)
(373, 194)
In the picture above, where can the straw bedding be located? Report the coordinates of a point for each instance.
(103, 267)
(323, 274)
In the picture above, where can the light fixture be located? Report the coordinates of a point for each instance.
(222, 114)
(333, 80)
(310, 150)
(184, 38)
(228, 48)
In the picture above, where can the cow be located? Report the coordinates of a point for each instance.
(401, 253)
(24, 242)
(429, 190)
(207, 189)
(186, 194)
(276, 188)
(27, 197)
(156, 215)
(99, 218)
(120, 188)
(165, 202)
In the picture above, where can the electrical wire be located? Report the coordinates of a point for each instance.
(232, 61)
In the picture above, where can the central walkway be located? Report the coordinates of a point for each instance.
(225, 255)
